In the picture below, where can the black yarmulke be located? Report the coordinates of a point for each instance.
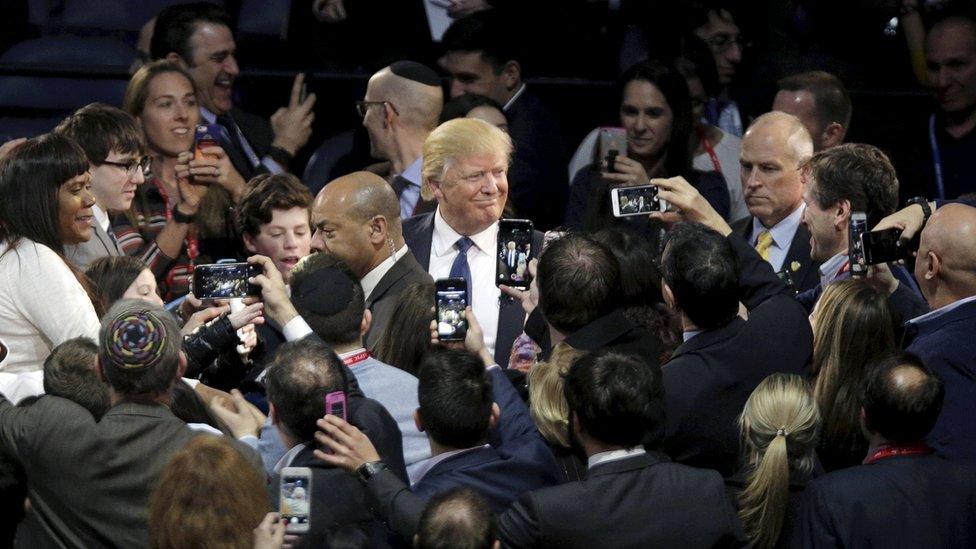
(324, 292)
(412, 70)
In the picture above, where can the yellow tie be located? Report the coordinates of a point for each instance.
(763, 243)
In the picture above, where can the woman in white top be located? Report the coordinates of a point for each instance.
(45, 203)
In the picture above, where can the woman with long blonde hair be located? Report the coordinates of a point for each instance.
(780, 427)
(549, 409)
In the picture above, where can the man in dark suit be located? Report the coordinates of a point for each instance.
(480, 59)
(903, 495)
(303, 373)
(89, 481)
(631, 498)
(707, 271)
(773, 148)
(492, 447)
(198, 37)
(357, 219)
(465, 164)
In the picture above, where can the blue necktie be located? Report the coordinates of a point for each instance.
(460, 268)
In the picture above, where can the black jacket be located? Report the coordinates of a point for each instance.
(803, 270)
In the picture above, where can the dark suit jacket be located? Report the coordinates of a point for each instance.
(947, 345)
(259, 135)
(385, 295)
(418, 232)
(89, 482)
(640, 501)
(709, 377)
(900, 501)
(517, 461)
(807, 275)
(537, 176)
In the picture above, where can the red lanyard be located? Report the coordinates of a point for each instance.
(356, 358)
(915, 449)
(708, 147)
(192, 244)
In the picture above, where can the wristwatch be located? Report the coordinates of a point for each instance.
(366, 471)
(280, 155)
(924, 203)
(181, 217)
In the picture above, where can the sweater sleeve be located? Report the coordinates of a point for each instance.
(51, 298)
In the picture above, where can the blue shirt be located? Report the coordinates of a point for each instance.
(411, 193)
(782, 232)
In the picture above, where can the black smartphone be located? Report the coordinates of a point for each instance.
(451, 295)
(884, 246)
(514, 253)
(857, 226)
(224, 280)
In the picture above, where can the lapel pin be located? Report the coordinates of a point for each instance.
(795, 266)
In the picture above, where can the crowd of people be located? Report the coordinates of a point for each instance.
(729, 369)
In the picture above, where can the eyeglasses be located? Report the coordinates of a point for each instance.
(722, 43)
(363, 106)
(144, 165)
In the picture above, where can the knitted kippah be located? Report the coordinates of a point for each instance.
(412, 70)
(134, 340)
(324, 292)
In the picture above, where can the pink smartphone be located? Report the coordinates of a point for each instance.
(335, 404)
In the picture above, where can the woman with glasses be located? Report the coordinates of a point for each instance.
(45, 204)
(181, 216)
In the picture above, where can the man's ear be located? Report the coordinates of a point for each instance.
(668, 295)
(511, 75)
(435, 188)
(273, 415)
(100, 372)
(418, 420)
(378, 230)
(933, 265)
(366, 323)
(388, 115)
(842, 214)
(832, 135)
(496, 413)
(177, 59)
(249, 243)
(182, 367)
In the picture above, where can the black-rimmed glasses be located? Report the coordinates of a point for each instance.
(362, 107)
(143, 164)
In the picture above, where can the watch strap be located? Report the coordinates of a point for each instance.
(924, 203)
(181, 217)
(369, 469)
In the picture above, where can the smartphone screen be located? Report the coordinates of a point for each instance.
(514, 253)
(295, 498)
(855, 243)
(207, 135)
(224, 280)
(335, 404)
(452, 298)
(882, 246)
(627, 201)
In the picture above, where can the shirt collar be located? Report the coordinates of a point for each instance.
(353, 352)
(101, 217)
(207, 115)
(412, 173)
(445, 237)
(783, 231)
(423, 468)
(289, 456)
(613, 455)
(831, 268)
(372, 278)
(685, 336)
(518, 93)
(942, 310)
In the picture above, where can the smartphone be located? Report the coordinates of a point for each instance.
(613, 143)
(514, 252)
(451, 295)
(224, 280)
(884, 246)
(641, 200)
(858, 225)
(295, 498)
(207, 135)
(335, 404)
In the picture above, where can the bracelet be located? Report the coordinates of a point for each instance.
(924, 203)
(280, 155)
(181, 217)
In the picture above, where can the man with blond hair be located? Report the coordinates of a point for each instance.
(465, 170)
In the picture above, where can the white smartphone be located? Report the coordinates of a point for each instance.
(295, 499)
(641, 200)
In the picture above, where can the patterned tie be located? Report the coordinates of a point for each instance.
(764, 243)
(460, 268)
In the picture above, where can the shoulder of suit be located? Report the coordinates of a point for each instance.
(743, 226)
(418, 222)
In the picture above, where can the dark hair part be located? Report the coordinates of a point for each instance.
(674, 88)
(460, 106)
(30, 176)
(137, 92)
(455, 396)
(579, 281)
(858, 173)
(266, 193)
(342, 326)
(112, 276)
(831, 102)
(484, 32)
(901, 398)
(101, 129)
(407, 335)
(69, 372)
(702, 270)
(459, 518)
(176, 24)
(618, 399)
(302, 373)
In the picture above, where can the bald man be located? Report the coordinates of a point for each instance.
(773, 148)
(946, 271)
(357, 218)
(402, 105)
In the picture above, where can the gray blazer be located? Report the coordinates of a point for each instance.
(100, 245)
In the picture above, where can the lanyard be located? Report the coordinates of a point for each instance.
(192, 244)
(708, 147)
(915, 449)
(936, 158)
(356, 358)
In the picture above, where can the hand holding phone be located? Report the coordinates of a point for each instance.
(295, 499)
(224, 281)
(612, 144)
(514, 251)
(451, 296)
(207, 135)
(640, 200)
(857, 226)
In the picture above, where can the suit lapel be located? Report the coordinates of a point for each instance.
(104, 239)
(396, 272)
(424, 233)
(799, 255)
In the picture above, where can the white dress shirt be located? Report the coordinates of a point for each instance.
(483, 296)
(783, 233)
(831, 268)
(613, 455)
(373, 277)
(101, 217)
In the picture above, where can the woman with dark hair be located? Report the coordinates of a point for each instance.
(407, 337)
(45, 204)
(655, 110)
(472, 105)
